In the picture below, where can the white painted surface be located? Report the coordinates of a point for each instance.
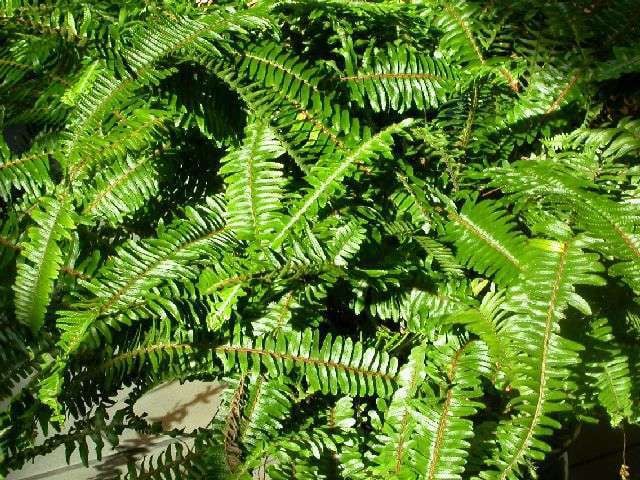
(189, 406)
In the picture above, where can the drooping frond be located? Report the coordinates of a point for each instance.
(254, 182)
(28, 172)
(149, 45)
(92, 430)
(610, 373)
(541, 372)
(398, 435)
(127, 137)
(122, 188)
(396, 239)
(460, 25)
(273, 67)
(610, 142)
(441, 254)
(201, 460)
(161, 350)
(346, 243)
(488, 322)
(442, 445)
(41, 259)
(612, 222)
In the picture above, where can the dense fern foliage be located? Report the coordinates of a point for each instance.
(404, 235)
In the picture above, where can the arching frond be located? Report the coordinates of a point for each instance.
(489, 321)
(122, 189)
(28, 172)
(140, 266)
(398, 239)
(445, 428)
(325, 177)
(286, 73)
(398, 435)
(441, 254)
(610, 373)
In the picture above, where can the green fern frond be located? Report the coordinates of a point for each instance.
(335, 365)
(464, 37)
(141, 266)
(346, 243)
(540, 375)
(254, 182)
(94, 429)
(41, 260)
(610, 373)
(148, 46)
(222, 305)
(488, 322)
(444, 427)
(232, 192)
(398, 78)
(266, 409)
(441, 254)
(308, 132)
(610, 142)
(200, 461)
(270, 65)
(160, 349)
(325, 177)
(613, 223)
(277, 316)
(548, 90)
(486, 240)
(122, 189)
(128, 136)
(459, 38)
(398, 434)
(28, 172)
(325, 438)
(413, 199)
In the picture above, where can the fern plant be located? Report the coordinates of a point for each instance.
(404, 236)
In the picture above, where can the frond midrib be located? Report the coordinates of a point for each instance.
(548, 332)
